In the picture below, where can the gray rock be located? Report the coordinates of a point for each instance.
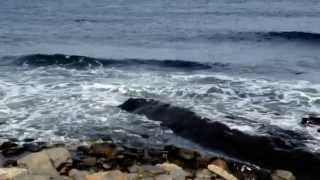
(58, 156)
(38, 163)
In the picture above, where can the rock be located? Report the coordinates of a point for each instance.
(78, 175)
(109, 175)
(204, 174)
(284, 150)
(41, 177)
(176, 172)
(38, 163)
(187, 154)
(221, 163)
(11, 173)
(10, 163)
(311, 120)
(164, 177)
(149, 170)
(33, 147)
(134, 176)
(87, 162)
(221, 172)
(282, 175)
(134, 169)
(13, 151)
(169, 167)
(58, 156)
(7, 145)
(107, 150)
(28, 140)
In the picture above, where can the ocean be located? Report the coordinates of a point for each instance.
(66, 65)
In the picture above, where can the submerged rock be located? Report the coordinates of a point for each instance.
(268, 151)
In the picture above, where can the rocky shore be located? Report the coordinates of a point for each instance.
(110, 161)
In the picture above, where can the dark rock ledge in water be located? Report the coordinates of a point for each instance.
(266, 151)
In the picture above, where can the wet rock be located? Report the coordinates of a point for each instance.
(282, 175)
(87, 162)
(187, 154)
(28, 140)
(14, 151)
(267, 151)
(104, 150)
(311, 120)
(58, 156)
(65, 168)
(33, 147)
(221, 172)
(12, 173)
(83, 149)
(109, 175)
(78, 175)
(7, 145)
(10, 163)
(38, 163)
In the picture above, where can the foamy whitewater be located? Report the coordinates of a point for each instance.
(66, 66)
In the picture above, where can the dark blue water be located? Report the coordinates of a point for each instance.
(66, 65)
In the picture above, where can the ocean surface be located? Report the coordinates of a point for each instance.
(65, 66)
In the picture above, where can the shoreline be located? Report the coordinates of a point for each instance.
(108, 160)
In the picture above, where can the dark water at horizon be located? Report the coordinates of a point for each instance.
(66, 65)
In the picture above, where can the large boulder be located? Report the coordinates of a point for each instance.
(45, 162)
(38, 163)
(58, 156)
(275, 151)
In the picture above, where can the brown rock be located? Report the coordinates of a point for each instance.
(104, 149)
(221, 163)
(221, 172)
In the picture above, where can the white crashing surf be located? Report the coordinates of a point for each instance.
(60, 104)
